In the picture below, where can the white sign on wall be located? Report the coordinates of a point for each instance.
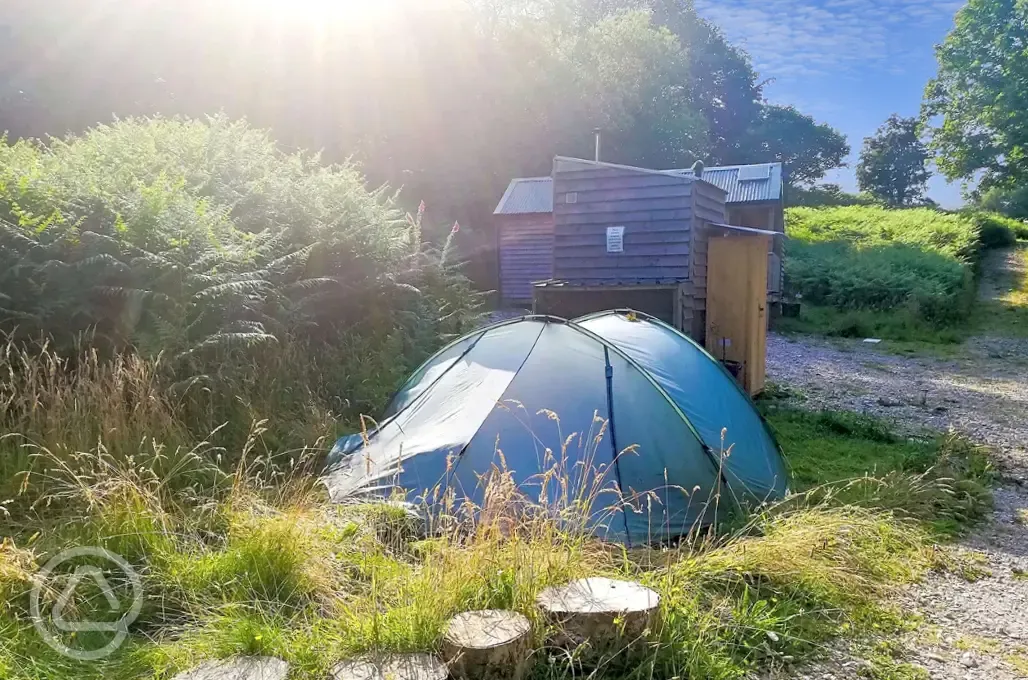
(615, 239)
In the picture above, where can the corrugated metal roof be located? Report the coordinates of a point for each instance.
(527, 195)
(744, 191)
(535, 194)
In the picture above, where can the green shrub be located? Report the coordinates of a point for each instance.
(188, 278)
(874, 258)
(202, 240)
(868, 226)
(995, 230)
(903, 324)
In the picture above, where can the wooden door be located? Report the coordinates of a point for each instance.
(737, 303)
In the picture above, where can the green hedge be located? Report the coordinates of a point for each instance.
(997, 231)
(870, 257)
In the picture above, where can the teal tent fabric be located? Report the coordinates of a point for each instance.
(566, 412)
(715, 404)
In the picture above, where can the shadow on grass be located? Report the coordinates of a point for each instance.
(1007, 313)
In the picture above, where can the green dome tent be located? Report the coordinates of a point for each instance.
(648, 404)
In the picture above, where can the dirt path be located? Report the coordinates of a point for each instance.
(1002, 269)
(972, 630)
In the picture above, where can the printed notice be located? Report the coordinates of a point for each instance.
(615, 239)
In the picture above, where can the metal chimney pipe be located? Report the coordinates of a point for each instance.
(599, 133)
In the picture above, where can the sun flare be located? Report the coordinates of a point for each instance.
(316, 9)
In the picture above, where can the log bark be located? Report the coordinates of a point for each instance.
(239, 668)
(609, 616)
(489, 644)
(391, 667)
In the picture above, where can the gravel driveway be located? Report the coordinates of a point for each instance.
(973, 630)
(983, 393)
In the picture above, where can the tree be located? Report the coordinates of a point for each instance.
(721, 82)
(1010, 202)
(627, 77)
(807, 148)
(475, 92)
(893, 162)
(979, 99)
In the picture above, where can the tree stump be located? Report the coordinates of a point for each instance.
(239, 668)
(488, 644)
(609, 616)
(391, 667)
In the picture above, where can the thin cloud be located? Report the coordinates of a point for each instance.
(790, 39)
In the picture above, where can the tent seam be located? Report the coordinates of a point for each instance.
(460, 455)
(646, 374)
(718, 466)
(609, 375)
(701, 348)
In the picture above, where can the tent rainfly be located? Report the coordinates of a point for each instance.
(660, 424)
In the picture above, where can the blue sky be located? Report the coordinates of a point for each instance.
(849, 63)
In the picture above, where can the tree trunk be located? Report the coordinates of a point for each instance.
(609, 617)
(490, 644)
(391, 667)
(239, 668)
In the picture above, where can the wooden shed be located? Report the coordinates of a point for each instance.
(626, 237)
(524, 233)
(524, 223)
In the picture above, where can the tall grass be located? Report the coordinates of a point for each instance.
(314, 584)
(62, 413)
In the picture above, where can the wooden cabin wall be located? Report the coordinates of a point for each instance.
(571, 302)
(770, 216)
(526, 254)
(656, 211)
(710, 208)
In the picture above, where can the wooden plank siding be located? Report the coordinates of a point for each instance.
(656, 211)
(710, 208)
(526, 254)
(686, 316)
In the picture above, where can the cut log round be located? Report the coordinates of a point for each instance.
(239, 668)
(391, 667)
(606, 614)
(488, 644)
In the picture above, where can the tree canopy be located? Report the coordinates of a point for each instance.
(447, 100)
(893, 163)
(978, 102)
(807, 148)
